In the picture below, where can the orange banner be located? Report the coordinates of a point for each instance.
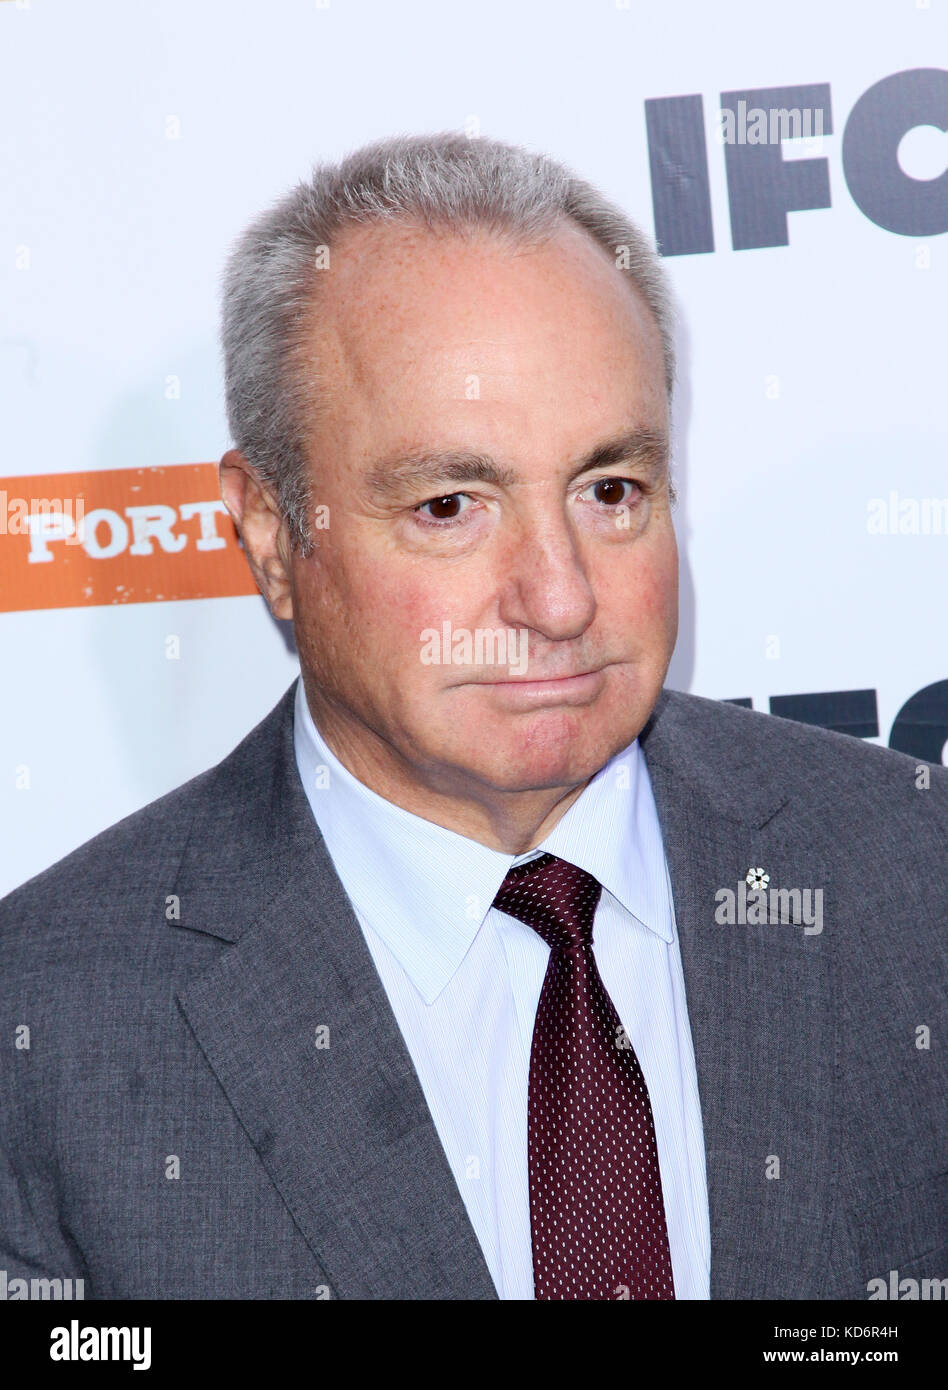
(122, 535)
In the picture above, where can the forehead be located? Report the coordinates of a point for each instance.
(419, 325)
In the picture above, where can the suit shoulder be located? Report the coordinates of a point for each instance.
(107, 855)
(113, 878)
(834, 773)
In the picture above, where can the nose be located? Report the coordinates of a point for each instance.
(545, 585)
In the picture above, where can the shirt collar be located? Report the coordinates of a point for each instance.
(426, 889)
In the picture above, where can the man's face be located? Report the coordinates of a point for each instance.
(530, 359)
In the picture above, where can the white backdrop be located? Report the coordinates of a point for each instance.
(137, 139)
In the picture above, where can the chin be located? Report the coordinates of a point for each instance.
(553, 748)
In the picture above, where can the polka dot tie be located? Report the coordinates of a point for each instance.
(596, 1209)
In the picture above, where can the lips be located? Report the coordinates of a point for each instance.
(519, 694)
(543, 680)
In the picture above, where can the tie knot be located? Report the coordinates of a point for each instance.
(557, 899)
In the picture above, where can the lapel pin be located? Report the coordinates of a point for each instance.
(757, 879)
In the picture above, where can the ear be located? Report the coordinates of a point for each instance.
(254, 511)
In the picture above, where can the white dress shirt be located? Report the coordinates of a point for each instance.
(463, 980)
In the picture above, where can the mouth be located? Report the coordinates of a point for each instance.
(546, 680)
(577, 689)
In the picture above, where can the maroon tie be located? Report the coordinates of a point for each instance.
(596, 1209)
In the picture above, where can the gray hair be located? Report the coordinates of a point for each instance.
(447, 181)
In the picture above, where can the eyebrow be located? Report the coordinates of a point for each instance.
(645, 449)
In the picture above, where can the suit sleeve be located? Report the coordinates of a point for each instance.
(32, 1243)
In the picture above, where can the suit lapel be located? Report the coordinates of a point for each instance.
(295, 1023)
(760, 1004)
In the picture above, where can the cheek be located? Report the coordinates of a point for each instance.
(376, 607)
(659, 582)
(641, 590)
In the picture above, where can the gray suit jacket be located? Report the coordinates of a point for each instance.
(173, 1131)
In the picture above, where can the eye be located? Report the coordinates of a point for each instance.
(611, 492)
(443, 509)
